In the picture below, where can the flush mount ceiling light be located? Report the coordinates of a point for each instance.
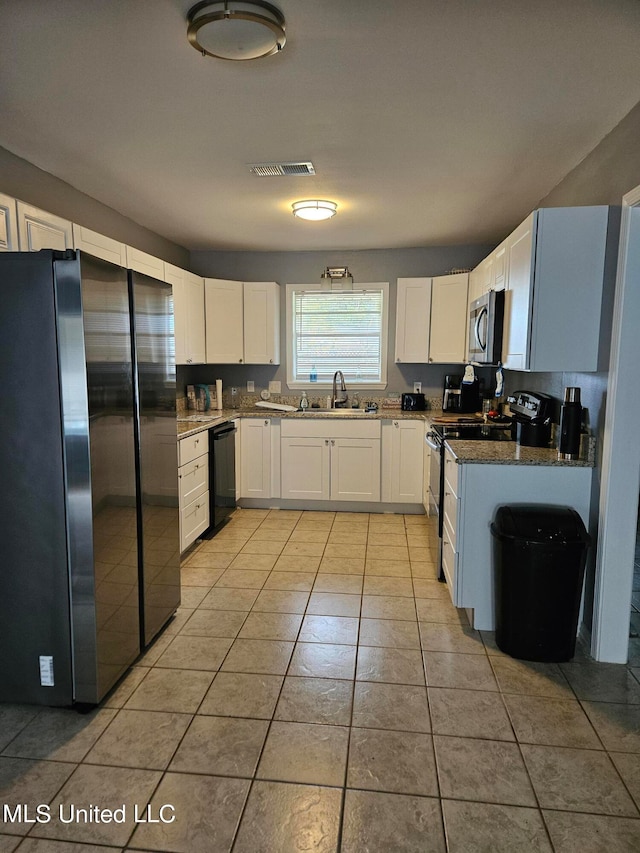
(314, 209)
(227, 29)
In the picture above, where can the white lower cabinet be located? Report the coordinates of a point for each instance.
(324, 460)
(402, 461)
(193, 485)
(305, 470)
(426, 473)
(255, 453)
(473, 492)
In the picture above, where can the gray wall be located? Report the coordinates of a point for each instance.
(603, 177)
(23, 180)
(606, 173)
(307, 267)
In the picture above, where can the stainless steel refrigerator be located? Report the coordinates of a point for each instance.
(89, 552)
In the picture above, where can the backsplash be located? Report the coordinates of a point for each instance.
(248, 401)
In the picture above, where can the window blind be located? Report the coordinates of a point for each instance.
(338, 330)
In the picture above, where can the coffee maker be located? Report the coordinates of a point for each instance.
(461, 397)
(451, 393)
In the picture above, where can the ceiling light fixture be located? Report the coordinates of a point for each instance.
(314, 209)
(227, 29)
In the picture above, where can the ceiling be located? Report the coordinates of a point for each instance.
(429, 122)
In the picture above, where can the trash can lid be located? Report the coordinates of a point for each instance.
(540, 523)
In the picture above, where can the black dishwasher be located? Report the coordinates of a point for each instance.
(222, 475)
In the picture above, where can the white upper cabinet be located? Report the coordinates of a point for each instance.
(515, 337)
(490, 274)
(188, 314)
(559, 263)
(499, 277)
(8, 224)
(144, 263)
(38, 229)
(413, 312)
(261, 302)
(224, 315)
(98, 245)
(242, 322)
(449, 318)
(196, 350)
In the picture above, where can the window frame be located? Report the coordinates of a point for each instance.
(291, 289)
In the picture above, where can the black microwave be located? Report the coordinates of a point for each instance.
(486, 319)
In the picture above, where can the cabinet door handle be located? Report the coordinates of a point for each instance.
(398, 359)
(395, 423)
(240, 361)
(431, 359)
(333, 442)
(270, 361)
(266, 423)
(326, 441)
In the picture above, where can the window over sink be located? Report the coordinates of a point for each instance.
(343, 329)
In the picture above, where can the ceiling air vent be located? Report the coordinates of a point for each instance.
(272, 170)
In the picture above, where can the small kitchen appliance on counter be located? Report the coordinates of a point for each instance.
(531, 418)
(451, 393)
(413, 403)
(461, 397)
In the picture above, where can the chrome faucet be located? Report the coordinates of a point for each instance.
(339, 397)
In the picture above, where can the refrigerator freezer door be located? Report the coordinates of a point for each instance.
(34, 581)
(69, 615)
(105, 596)
(152, 304)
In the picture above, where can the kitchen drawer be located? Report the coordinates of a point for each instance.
(194, 520)
(451, 472)
(451, 504)
(193, 479)
(192, 447)
(450, 563)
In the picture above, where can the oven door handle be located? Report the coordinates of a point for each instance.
(429, 438)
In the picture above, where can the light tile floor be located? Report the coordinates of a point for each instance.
(317, 691)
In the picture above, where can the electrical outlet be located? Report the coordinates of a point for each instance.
(275, 386)
(417, 387)
(234, 391)
(251, 386)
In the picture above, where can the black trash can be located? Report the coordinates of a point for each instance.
(539, 555)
